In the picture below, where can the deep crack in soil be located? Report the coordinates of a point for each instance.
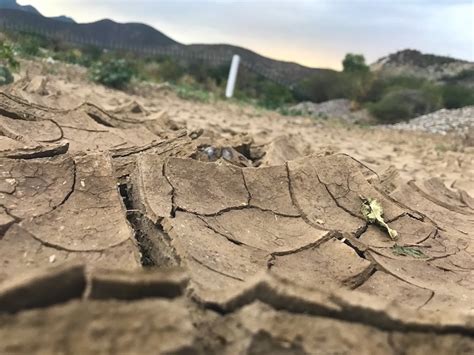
(150, 244)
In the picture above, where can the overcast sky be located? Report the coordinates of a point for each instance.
(315, 33)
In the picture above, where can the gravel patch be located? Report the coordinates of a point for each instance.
(457, 121)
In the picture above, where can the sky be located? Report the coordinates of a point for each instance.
(315, 33)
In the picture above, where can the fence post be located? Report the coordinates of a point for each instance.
(234, 69)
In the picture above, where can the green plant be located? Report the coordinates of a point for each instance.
(403, 104)
(7, 56)
(354, 63)
(30, 44)
(84, 56)
(115, 73)
(274, 95)
(456, 96)
(73, 56)
(188, 92)
(382, 85)
(324, 86)
(6, 76)
(408, 251)
(373, 213)
(287, 111)
(90, 55)
(7, 63)
(169, 70)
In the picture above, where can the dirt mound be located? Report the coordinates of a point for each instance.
(118, 236)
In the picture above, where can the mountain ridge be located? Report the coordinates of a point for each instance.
(13, 5)
(138, 36)
(146, 39)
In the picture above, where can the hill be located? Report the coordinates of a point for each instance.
(142, 38)
(411, 62)
(13, 5)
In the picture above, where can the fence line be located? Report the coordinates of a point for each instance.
(71, 33)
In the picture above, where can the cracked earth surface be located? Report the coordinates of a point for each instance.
(165, 227)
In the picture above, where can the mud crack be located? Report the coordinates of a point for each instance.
(152, 240)
(296, 204)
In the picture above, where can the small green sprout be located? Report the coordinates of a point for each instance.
(408, 251)
(373, 212)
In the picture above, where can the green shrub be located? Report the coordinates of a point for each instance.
(73, 56)
(7, 62)
(115, 73)
(85, 56)
(466, 75)
(254, 88)
(7, 56)
(382, 85)
(6, 76)
(403, 104)
(188, 92)
(30, 44)
(456, 96)
(198, 70)
(274, 95)
(358, 84)
(219, 74)
(90, 55)
(324, 86)
(354, 63)
(170, 71)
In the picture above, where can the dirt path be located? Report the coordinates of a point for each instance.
(248, 223)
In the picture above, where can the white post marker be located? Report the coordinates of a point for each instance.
(234, 69)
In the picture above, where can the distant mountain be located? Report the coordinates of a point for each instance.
(144, 38)
(129, 34)
(411, 62)
(13, 5)
(63, 18)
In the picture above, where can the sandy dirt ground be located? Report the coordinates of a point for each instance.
(138, 221)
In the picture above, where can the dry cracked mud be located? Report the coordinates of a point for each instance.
(121, 231)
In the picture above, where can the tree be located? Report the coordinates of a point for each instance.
(354, 63)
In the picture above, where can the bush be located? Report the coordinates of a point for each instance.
(73, 56)
(188, 92)
(354, 63)
(30, 44)
(456, 96)
(464, 75)
(252, 87)
(90, 55)
(274, 95)
(324, 86)
(219, 74)
(170, 71)
(7, 62)
(353, 83)
(115, 73)
(7, 56)
(403, 104)
(6, 76)
(381, 86)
